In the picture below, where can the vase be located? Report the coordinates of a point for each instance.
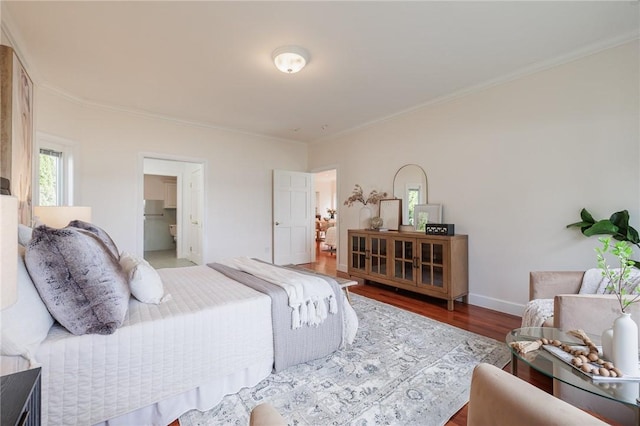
(625, 345)
(365, 217)
(607, 344)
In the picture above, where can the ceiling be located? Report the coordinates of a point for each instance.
(210, 62)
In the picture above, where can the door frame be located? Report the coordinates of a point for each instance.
(140, 196)
(338, 209)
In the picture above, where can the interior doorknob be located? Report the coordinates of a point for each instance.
(277, 223)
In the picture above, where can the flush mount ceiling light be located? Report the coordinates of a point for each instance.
(290, 59)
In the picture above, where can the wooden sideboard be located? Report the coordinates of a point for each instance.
(434, 265)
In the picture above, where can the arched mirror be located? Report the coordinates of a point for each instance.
(410, 185)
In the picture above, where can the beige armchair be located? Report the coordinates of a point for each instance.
(266, 415)
(592, 313)
(499, 398)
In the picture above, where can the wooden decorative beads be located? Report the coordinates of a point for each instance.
(583, 359)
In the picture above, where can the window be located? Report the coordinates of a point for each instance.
(413, 198)
(54, 172)
(50, 178)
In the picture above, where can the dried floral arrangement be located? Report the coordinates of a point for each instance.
(358, 196)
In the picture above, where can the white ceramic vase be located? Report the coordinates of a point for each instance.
(607, 344)
(625, 345)
(365, 217)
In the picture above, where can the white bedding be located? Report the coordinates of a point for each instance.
(212, 328)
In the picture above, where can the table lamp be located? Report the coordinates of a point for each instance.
(60, 216)
(8, 250)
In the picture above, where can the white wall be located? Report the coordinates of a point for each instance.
(512, 165)
(238, 172)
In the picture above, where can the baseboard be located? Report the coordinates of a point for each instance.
(496, 304)
(474, 299)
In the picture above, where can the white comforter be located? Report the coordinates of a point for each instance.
(212, 327)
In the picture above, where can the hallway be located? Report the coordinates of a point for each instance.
(325, 262)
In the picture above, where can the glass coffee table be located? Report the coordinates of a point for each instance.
(549, 365)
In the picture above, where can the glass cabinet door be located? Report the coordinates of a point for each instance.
(358, 258)
(404, 261)
(379, 258)
(432, 266)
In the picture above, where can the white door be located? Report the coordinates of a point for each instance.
(292, 217)
(194, 253)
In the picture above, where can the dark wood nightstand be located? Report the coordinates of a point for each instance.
(20, 398)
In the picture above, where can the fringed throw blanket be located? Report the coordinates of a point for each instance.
(537, 312)
(310, 298)
(291, 347)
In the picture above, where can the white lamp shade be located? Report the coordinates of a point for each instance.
(60, 216)
(8, 250)
(290, 59)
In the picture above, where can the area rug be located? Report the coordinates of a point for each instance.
(402, 369)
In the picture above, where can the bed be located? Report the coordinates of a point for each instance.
(212, 338)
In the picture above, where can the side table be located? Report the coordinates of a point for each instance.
(623, 392)
(20, 398)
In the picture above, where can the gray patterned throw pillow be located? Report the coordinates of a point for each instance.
(99, 232)
(78, 278)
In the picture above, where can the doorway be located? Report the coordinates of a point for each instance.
(326, 212)
(172, 199)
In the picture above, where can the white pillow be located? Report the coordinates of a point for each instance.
(634, 281)
(24, 234)
(26, 323)
(144, 281)
(593, 282)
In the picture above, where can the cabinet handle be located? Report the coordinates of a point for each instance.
(415, 263)
(367, 254)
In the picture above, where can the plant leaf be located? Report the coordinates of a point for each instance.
(603, 226)
(620, 219)
(586, 216)
(580, 224)
(632, 235)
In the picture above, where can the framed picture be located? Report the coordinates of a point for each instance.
(426, 213)
(390, 213)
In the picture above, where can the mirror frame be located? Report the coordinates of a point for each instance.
(400, 192)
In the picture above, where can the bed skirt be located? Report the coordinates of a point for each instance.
(203, 398)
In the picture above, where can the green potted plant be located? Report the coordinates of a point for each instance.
(617, 226)
(620, 343)
(620, 279)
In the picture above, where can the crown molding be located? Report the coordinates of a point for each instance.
(9, 31)
(16, 42)
(152, 115)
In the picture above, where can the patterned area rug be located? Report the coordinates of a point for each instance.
(402, 369)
